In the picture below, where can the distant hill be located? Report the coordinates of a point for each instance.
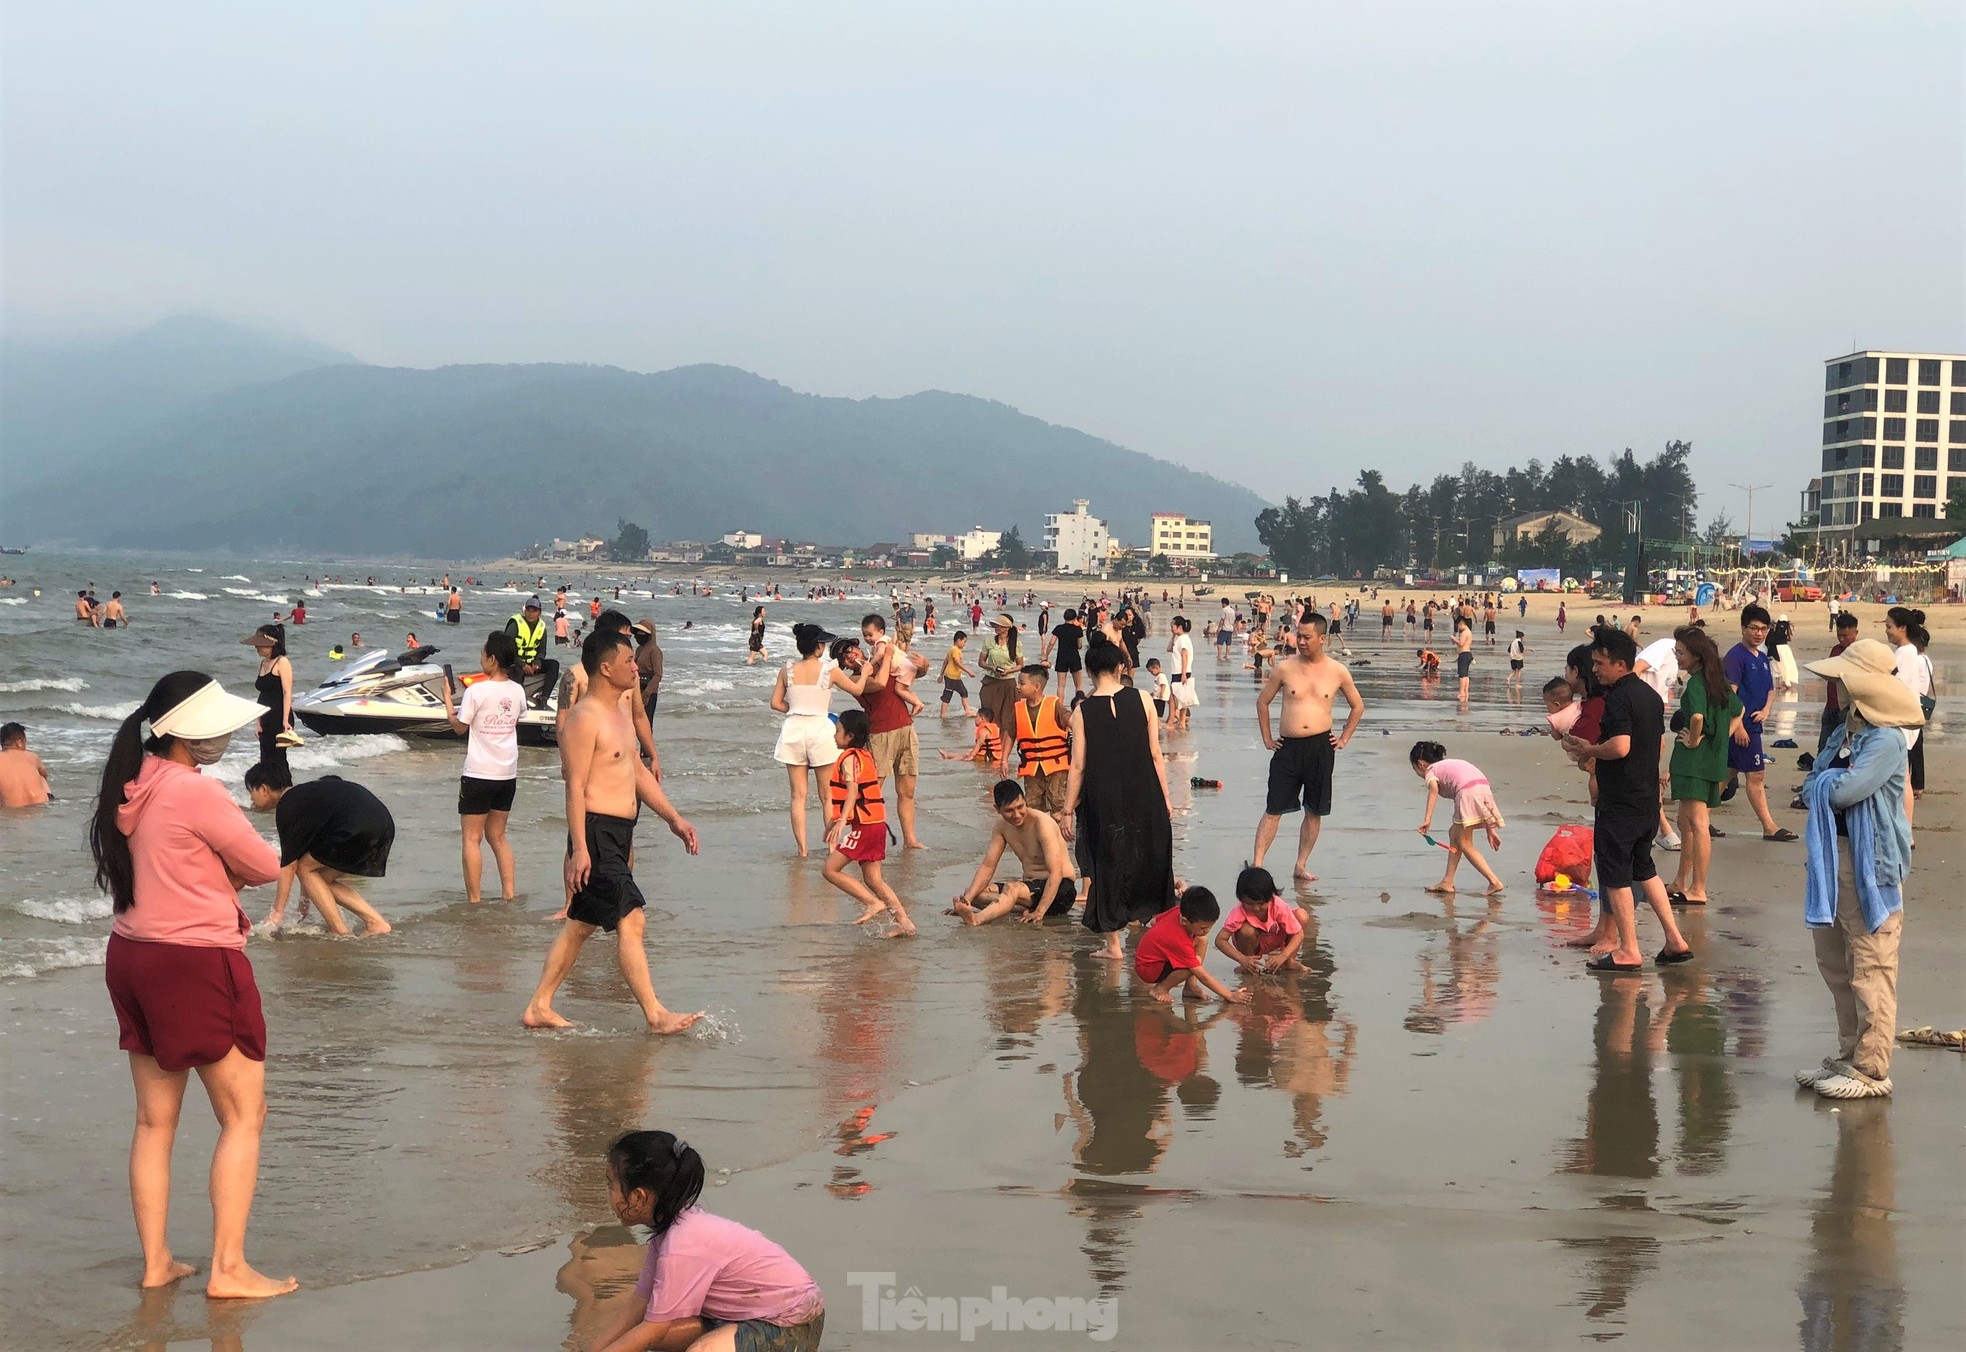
(470, 461)
(61, 400)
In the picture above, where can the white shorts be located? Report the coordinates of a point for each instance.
(806, 739)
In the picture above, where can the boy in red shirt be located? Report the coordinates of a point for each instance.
(1168, 956)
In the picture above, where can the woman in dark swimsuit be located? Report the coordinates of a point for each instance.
(275, 688)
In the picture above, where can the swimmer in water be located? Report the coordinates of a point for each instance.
(23, 778)
(113, 616)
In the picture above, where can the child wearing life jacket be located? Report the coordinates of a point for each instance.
(1043, 741)
(987, 748)
(858, 833)
(1429, 664)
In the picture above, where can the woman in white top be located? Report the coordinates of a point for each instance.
(1905, 628)
(1185, 696)
(804, 694)
(489, 718)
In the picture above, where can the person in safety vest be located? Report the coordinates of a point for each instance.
(528, 630)
(1043, 740)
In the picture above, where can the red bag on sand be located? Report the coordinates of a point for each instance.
(1569, 852)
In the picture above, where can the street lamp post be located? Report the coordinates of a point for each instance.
(1747, 535)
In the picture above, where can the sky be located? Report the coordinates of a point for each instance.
(1275, 242)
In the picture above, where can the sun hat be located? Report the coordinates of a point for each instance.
(206, 712)
(266, 633)
(1003, 619)
(1868, 670)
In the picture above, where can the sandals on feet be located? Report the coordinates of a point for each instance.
(1665, 959)
(1782, 834)
(1607, 963)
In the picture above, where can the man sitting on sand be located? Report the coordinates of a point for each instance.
(1049, 886)
(604, 779)
(23, 778)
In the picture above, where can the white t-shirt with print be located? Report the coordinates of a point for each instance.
(493, 709)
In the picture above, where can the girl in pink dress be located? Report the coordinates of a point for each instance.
(1474, 806)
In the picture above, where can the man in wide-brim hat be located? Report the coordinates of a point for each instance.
(1859, 851)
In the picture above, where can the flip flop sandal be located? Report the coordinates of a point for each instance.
(1931, 1037)
(1665, 959)
(1783, 835)
(1606, 964)
(1681, 899)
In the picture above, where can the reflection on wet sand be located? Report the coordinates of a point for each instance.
(1285, 1041)
(598, 1086)
(1474, 972)
(601, 1268)
(859, 1002)
(155, 1325)
(1636, 1022)
(1853, 1299)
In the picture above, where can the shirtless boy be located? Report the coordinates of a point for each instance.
(1048, 887)
(605, 780)
(23, 778)
(1300, 769)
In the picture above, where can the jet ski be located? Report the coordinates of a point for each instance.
(403, 693)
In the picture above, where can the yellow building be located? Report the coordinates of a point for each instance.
(1179, 538)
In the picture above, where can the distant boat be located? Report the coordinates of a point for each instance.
(10, 549)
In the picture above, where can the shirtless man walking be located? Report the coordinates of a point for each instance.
(1300, 771)
(1048, 887)
(605, 780)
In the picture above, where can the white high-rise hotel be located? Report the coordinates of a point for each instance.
(1894, 435)
(1079, 538)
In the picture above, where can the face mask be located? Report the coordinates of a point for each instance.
(207, 750)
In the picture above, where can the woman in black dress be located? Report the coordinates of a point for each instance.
(1118, 787)
(757, 641)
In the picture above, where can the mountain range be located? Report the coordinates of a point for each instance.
(198, 435)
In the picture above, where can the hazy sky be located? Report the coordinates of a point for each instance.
(1271, 241)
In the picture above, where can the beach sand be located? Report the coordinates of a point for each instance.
(1445, 1133)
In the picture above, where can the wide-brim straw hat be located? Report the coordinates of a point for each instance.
(1868, 670)
(1003, 621)
(209, 712)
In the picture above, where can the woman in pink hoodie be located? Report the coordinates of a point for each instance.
(172, 849)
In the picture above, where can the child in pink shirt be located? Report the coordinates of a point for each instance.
(1262, 932)
(708, 1282)
(1474, 806)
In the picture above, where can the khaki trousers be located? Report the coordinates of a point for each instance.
(1861, 971)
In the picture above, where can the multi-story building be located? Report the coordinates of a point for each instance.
(1181, 539)
(1894, 436)
(969, 547)
(1079, 539)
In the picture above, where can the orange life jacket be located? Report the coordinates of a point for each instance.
(1043, 745)
(988, 750)
(856, 766)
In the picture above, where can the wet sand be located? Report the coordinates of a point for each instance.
(1445, 1133)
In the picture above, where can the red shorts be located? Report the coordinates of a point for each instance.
(184, 1005)
(864, 844)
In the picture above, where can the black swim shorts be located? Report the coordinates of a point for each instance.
(1623, 846)
(477, 797)
(1061, 904)
(1463, 664)
(1300, 776)
(611, 892)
